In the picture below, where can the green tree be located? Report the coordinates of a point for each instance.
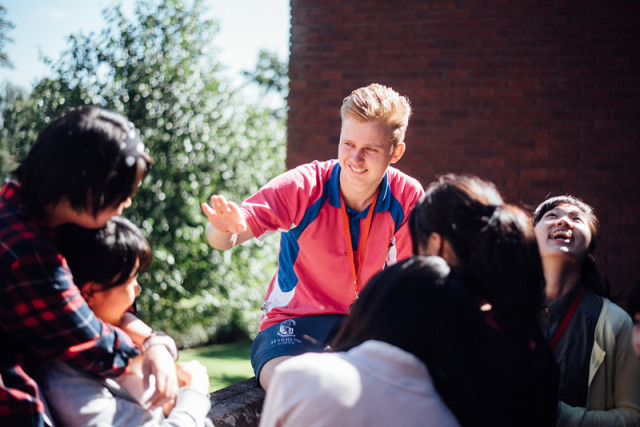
(10, 96)
(271, 73)
(5, 27)
(158, 69)
(9, 92)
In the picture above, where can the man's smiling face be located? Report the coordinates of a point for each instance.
(365, 152)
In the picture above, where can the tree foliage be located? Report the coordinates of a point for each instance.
(158, 69)
(270, 73)
(5, 27)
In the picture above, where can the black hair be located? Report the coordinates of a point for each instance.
(420, 306)
(92, 156)
(494, 242)
(106, 255)
(589, 274)
(383, 309)
(633, 302)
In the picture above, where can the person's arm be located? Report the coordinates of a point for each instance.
(135, 328)
(403, 243)
(158, 361)
(402, 246)
(45, 310)
(579, 416)
(227, 226)
(193, 402)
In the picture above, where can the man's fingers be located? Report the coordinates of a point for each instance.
(239, 228)
(206, 209)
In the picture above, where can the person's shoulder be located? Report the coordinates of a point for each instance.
(396, 175)
(615, 315)
(20, 234)
(315, 372)
(313, 364)
(316, 167)
(307, 172)
(404, 187)
(614, 321)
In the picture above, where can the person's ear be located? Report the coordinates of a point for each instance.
(88, 290)
(438, 245)
(433, 246)
(449, 254)
(398, 151)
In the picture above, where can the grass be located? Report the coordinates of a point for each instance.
(226, 363)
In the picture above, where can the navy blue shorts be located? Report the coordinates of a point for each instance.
(292, 337)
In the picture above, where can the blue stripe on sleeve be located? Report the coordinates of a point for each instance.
(289, 246)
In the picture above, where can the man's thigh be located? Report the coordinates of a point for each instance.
(292, 337)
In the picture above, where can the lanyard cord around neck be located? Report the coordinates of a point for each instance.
(566, 319)
(363, 240)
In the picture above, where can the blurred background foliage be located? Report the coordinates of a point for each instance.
(205, 135)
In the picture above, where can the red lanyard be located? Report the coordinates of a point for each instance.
(567, 318)
(365, 236)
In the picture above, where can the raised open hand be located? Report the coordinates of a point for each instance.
(224, 216)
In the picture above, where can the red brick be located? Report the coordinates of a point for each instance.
(541, 96)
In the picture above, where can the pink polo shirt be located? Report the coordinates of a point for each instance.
(314, 272)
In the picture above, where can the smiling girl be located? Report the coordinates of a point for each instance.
(589, 335)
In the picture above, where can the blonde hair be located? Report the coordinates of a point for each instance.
(381, 104)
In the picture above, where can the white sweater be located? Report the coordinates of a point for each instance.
(374, 384)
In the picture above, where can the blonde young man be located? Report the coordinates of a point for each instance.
(341, 221)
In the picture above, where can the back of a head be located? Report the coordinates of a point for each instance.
(92, 156)
(390, 308)
(380, 104)
(108, 255)
(493, 241)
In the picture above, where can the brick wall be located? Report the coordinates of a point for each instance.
(540, 96)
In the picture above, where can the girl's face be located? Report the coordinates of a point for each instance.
(636, 334)
(564, 231)
(111, 304)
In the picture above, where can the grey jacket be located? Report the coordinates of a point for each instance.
(77, 399)
(614, 375)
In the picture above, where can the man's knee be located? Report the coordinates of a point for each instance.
(266, 373)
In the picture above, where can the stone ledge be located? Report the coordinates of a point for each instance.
(238, 405)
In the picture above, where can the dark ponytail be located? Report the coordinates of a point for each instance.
(493, 241)
(506, 268)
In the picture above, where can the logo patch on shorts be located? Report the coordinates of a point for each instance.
(286, 328)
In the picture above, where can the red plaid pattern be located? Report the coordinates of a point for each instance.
(43, 316)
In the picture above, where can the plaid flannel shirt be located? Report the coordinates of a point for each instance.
(43, 316)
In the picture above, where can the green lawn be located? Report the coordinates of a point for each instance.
(226, 363)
